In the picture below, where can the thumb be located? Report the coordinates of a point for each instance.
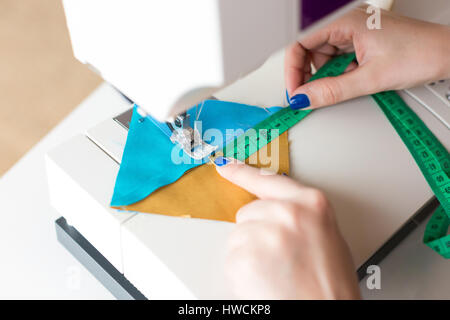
(263, 184)
(331, 90)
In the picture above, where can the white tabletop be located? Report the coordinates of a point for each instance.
(35, 265)
(412, 271)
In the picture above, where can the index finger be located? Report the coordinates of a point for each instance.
(264, 186)
(294, 66)
(297, 61)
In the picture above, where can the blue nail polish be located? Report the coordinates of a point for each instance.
(287, 97)
(220, 161)
(300, 101)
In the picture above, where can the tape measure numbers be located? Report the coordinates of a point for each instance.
(431, 156)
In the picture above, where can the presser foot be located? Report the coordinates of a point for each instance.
(192, 144)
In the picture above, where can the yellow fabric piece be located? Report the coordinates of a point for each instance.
(203, 193)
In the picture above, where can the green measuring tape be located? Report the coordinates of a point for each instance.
(431, 156)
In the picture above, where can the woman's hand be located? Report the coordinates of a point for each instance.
(286, 245)
(403, 54)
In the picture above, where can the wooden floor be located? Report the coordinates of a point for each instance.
(40, 81)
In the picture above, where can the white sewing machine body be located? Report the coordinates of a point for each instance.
(186, 49)
(350, 151)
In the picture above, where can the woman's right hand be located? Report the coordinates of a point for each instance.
(402, 54)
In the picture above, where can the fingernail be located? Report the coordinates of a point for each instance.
(287, 97)
(300, 101)
(220, 161)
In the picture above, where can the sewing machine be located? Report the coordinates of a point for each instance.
(359, 161)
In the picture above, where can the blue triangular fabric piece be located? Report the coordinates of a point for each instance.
(147, 163)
